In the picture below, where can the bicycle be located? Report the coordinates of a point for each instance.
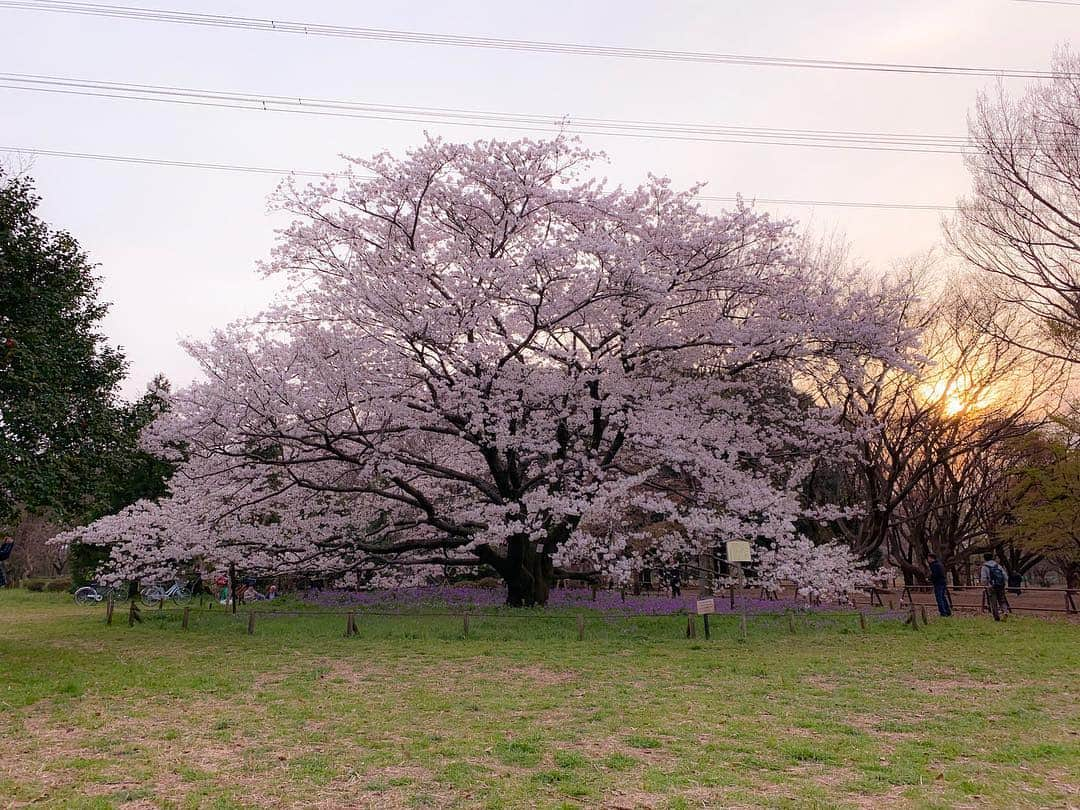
(94, 594)
(155, 594)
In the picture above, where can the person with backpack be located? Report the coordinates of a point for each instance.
(994, 578)
(941, 589)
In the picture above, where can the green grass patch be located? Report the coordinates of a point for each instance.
(410, 713)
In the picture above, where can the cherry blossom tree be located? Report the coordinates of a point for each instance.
(487, 357)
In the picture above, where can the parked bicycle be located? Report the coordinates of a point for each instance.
(178, 592)
(93, 594)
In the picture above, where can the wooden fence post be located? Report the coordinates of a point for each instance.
(187, 613)
(580, 627)
(922, 614)
(108, 610)
(133, 614)
(691, 626)
(705, 624)
(731, 595)
(862, 620)
(465, 624)
(742, 625)
(251, 622)
(791, 622)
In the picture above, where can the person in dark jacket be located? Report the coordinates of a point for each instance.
(1016, 581)
(941, 589)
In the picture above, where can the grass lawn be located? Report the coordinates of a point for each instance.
(964, 713)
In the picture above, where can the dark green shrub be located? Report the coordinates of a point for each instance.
(44, 584)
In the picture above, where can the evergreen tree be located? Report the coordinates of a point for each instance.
(68, 446)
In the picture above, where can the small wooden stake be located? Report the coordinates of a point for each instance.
(187, 613)
(133, 614)
(161, 604)
(913, 618)
(251, 623)
(731, 592)
(580, 627)
(922, 612)
(742, 625)
(705, 623)
(890, 604)
(862, 620)
(691, 626)
(109, 610)
(465, 624)
(791, 622)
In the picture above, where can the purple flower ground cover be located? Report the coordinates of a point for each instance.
(462, 597)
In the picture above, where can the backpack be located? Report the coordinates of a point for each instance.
(997, 575)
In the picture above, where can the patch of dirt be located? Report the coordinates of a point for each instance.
(945, 686)
(821, 682)
(599, 748)
(542, 676)
(891, 798)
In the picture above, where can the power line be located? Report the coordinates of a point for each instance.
(500, 43)
(233, 167)
(656, 130)
(182, 164)
(1050, 2)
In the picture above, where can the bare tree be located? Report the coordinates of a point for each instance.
(1021, 224)
(32, 556)
(930, 472)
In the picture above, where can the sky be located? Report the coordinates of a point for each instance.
(177, 247)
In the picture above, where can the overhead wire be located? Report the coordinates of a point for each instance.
(654, 130)
(132, 159)
(173, 16)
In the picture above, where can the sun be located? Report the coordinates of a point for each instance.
(956, 395)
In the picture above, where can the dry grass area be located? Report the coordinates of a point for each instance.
(409, 714)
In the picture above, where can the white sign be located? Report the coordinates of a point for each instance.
(705, 606)
(738, 551)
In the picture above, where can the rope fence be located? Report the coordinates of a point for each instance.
(688, 625)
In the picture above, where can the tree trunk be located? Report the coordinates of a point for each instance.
(526, 569)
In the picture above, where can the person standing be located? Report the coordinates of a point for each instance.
(941, 588)
(993, 578)
(1016, 581)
